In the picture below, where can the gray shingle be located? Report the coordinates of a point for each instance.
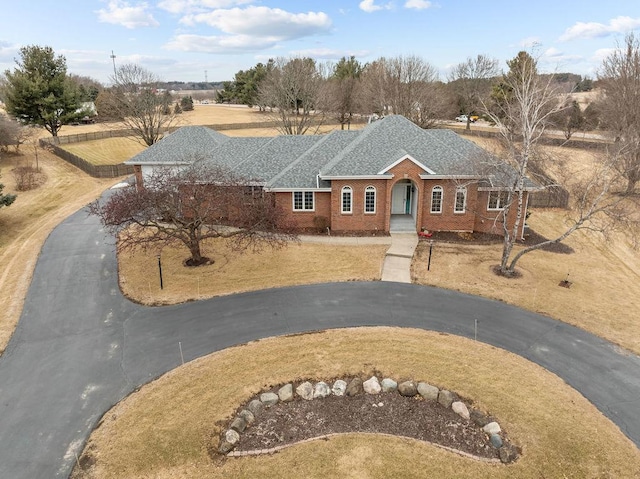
(291, 162)
(182, 146)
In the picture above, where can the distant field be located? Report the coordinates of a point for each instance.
(108, 151)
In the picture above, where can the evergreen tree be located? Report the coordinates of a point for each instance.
(39, 92)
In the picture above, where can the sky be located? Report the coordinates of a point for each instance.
(211, 40)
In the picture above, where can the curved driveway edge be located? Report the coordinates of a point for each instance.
(80, 346)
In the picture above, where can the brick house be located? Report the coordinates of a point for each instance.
(389, 176)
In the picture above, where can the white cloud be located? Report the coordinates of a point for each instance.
(263, 22)
(230, 44)
(553, 55)
(593, 29)
(327, 53)
(602, 53)
(369, 6)
(417, 4)
(197, 6)
(120, 12)
(530, 42)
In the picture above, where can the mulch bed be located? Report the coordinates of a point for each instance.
(388, 413)
(530, 239)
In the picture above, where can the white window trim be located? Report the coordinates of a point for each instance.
(369, 189)
(433, 190)
(342, 192)
(499, 193)
(464, 203)
(303, 193)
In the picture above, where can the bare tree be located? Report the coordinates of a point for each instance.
(342, 89)
(293, 89)
(619, 76)
(471, 80)
(187, 206)
(138, 103)
(522, 115)
(405, 86)
(12, 133)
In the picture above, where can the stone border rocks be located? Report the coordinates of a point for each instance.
(308, 391)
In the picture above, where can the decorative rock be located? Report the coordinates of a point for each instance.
(428, 391)
(496, 441)
(407, 388)
(339, 387)
(255, 407)
(354, 388)
(508, 453)
(269, 399)
(389, 384)
(460, 409)
(445, 398)
(239, 424)
(305, 390)
(492, 428)
(322, 390)
(372, 386)
(479, 418)
(229, 441)
(285, 393)
(247, 416)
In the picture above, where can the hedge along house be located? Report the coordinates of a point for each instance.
(391, 176)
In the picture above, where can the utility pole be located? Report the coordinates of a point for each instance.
(113, 58)
(205, 77)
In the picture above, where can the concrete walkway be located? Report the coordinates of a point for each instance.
(397, 262)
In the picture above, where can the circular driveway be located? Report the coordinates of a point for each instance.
(80, 346)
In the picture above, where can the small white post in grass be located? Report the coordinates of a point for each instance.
(475, 330)
(181, 356)
(77, 459)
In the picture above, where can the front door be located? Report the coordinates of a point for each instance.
(398, 199)
(407, 200)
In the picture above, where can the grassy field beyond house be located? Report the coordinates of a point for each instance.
(108, 151)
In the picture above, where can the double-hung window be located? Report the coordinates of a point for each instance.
(303, 201)
(346, 202)
(436, 199)
(370, 199)
(461, 200)
(498, 200)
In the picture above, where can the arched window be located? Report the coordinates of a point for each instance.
(370, 199)
(346, 199)
(461, 200)
(436, 199)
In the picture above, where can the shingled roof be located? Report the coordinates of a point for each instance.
(309, 162)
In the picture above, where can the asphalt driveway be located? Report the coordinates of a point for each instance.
(80, 346)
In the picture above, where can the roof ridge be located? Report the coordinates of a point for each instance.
(364, 133)
(290, 166)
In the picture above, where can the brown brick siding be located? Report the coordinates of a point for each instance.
(358, 220)
(305, 219)
(475, 218)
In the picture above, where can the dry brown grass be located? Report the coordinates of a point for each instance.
(166, 429)
(108, 151)
(28, 221)
(232, 272)
(605, 273)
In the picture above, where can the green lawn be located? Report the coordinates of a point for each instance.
(108, 151)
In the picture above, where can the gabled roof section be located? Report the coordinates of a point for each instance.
(183, 146)
(403, 157)
(274, 156)
(385, 141)
(303, 172)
